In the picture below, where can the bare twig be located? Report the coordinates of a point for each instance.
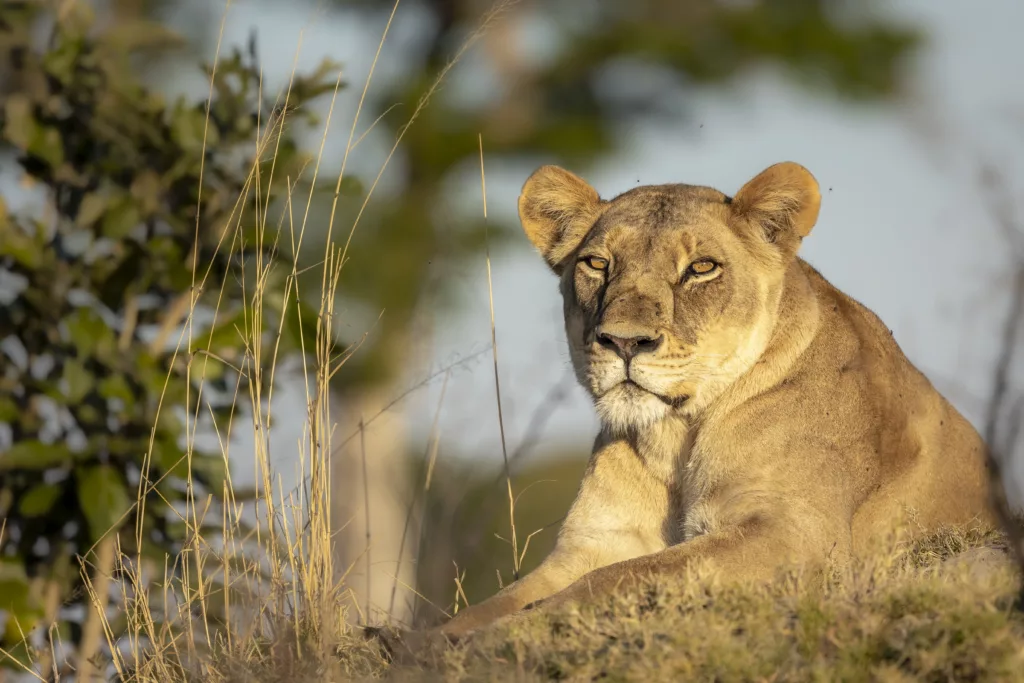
(1004, 362)
(92, 629)
(497, 382)
(1001, 445)
(427, 469)
(366, 504)
(554, 397)
(1002, 420)
(411, 390)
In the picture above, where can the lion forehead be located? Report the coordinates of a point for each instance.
(659, 219)
(659, 206)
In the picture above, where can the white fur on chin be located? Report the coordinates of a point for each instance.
(626, 408)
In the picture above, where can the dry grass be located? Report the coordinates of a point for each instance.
(262, 603)
(914, 613)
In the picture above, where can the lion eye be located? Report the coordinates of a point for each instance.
(596, 262)
(703, 267)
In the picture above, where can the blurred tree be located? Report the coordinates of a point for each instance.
(133, 213)
(605, 62)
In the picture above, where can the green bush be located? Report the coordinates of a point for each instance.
(150, 210)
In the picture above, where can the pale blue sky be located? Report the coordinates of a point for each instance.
(903, 227)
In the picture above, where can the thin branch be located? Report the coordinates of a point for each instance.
(1000, 444)
(535, 429)
(497, 382)
(366, 506)
(426, 469)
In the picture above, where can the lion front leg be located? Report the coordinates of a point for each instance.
(618, 513)
(753, 550)
(546, 580)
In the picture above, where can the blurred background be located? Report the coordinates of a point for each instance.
(905, 110)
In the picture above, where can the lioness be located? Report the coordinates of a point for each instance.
(752, 415)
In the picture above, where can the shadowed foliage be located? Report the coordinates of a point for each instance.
(137, 210)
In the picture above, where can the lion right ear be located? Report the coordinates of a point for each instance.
(557, 209)
(782, 201)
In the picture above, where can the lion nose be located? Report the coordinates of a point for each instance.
(628, 347)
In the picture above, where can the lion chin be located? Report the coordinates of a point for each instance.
(628, 406)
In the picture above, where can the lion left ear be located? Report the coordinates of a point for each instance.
(557, 209)
(783, 200)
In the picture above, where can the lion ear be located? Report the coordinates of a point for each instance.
(783, 201)
(557, 209)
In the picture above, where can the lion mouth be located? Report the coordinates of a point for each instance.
(671, 401)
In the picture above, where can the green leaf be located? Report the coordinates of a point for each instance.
(120, 218)
(210, 470)
(91, 209)
(230, 333)
(35, 455)
(103, 497)
(89, 333)
(9, 410)
(351, 186)
(19, 125)
(60, 61)
(12, 576)
(147, 190)
(206, 368)
(116, 386)
(170, 458)
(79, 380)
(301, 324)
(188, 126)
(39, 500)
(17, 600)
(16, 655)
(88, 414)
(21, 247)
(47, 144)
(150, 374)
(169, 420)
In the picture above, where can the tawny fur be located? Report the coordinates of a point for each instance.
(777, 423)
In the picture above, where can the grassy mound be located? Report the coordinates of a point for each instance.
(940, 609)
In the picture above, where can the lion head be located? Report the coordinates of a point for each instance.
(671, 292)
